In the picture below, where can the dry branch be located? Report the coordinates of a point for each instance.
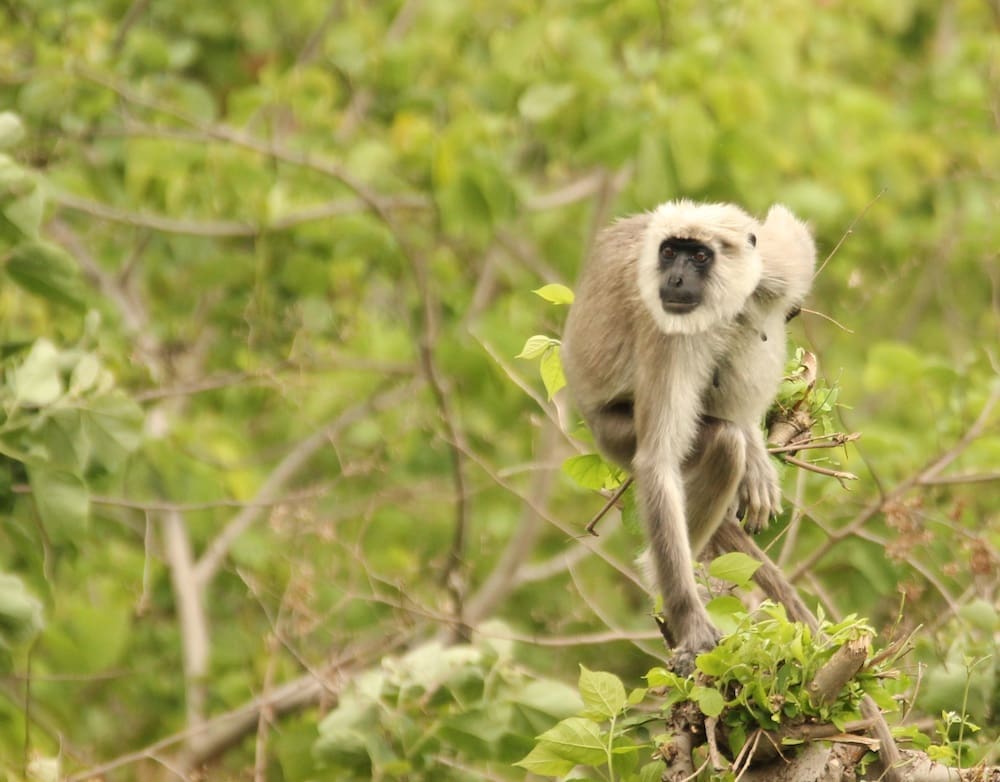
(838, 671)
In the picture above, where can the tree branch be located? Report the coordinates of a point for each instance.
(191, 616)
(211, 560)
(501, 580)
(224, 229)
(930, 472)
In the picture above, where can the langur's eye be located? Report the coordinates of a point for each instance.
(700, 256)
(666, 251)
(753, 240)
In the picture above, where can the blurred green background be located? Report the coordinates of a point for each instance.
(264, 269)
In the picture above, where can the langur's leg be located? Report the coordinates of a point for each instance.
(712, 475)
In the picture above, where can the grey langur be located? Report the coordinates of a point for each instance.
(673, 350)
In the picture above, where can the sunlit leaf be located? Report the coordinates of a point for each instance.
(37, 381)
(555, 294)
(11, 129)
(21, 616)
(603, 693)
(551, 370)
(735, 567)
(541, 101)
(709, 700)
(576, 739)
(545, 761)
(536, 346)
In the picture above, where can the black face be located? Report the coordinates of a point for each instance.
(684, 267)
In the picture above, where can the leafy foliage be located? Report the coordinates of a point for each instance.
(471, 699)
(756, 679)
(262, 268)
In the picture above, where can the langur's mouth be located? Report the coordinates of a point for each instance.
(679, 307)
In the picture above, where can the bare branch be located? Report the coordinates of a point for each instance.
(500, 582)
(223, 229)
(191, 616)
(838, 670)
(568, 530)
(286, 469)
(840, 475)
(835, 440)
(930, 472)
(579, 190)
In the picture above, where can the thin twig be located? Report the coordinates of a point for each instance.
(848, 232)
(612, 501)
(718, 762)
(194, 507)
(929, 472)
(947, 480)
(568, 530)
(133, 15)
(823, 315)
(836, 441)
(840, 475)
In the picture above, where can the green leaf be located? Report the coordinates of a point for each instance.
(21, 202)
(536, 346)
(20, 612)
(590, 471)
(89, 631)
(11, 130)
(113, 424)
(651, 772)
(636, 696)
(734, 567)
(726, 612)
(62, 500)
(714, 663)
(576, 739)
(552, 371)
(553, 698)
(37, 382)
(541, 101)
(661, 677)
(46, 271)
(85, 374)
(603, 693)
(981, 614)
(709, 700)
(555, 293)
(544, 761)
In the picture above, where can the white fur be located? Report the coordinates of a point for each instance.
(734, 275)
(788, 253)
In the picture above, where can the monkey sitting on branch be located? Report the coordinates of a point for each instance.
(673, 351)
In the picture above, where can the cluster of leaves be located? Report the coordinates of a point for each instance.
(815, 396)
(602, 735)
(472, 700)
(757, 678)
(545, 348)
(64, 427)
(759, 675)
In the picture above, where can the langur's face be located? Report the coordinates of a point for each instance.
(684, 266)
(698, 266)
